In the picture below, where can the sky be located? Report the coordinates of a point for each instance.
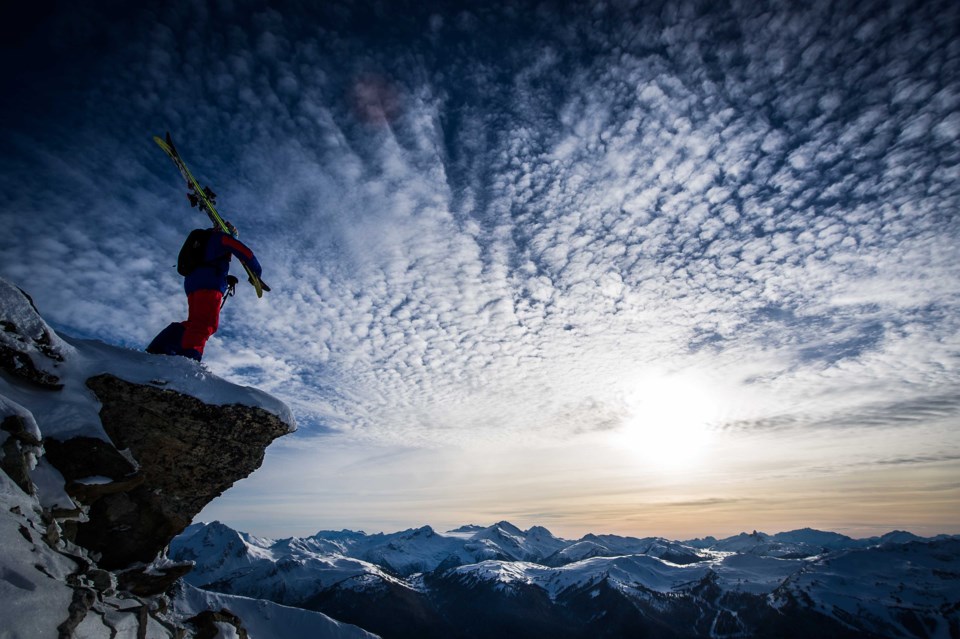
(675, 268)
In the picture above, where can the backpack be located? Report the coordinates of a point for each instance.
(193, 251)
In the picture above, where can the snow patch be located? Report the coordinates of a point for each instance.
(264, 618)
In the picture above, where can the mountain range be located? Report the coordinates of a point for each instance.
(499, 580)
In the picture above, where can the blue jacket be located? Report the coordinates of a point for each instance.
(212, 275)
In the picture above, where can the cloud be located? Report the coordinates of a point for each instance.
(928, 459)
(489, 225)
(905, 413)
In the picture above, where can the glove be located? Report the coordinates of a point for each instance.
(263, 284)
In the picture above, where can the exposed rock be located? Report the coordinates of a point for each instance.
(53, 533)
(83, 600)
(104, 581)
(17, 451)
(16, 363)
(82, 457)
(27, 348)
(206, 624)
(144, 582)
(89, 493)
(188, 452)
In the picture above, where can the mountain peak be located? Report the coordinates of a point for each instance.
(506, 526)
(421, 532)
(468, 528)
(540, 531)
(898, 537)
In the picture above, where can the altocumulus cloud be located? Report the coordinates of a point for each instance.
(497, 222)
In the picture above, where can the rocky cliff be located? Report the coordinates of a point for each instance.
(107, 454)
(187, 453)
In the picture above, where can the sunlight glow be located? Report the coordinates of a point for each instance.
(668, 420)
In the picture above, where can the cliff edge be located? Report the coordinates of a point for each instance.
(107, 454)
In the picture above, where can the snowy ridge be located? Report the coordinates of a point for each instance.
(174, 373)
(265, 618)
(287, 571)
(734, 572)
(893, 581)
(72, 362)
(420, 550)
(505, 540)
(612, 545)
(412, 551)
(757, 579)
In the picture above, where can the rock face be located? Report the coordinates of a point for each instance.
(28, 348)
(188, 453)
(18, 451)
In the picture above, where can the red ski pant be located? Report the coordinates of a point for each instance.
(203, 319)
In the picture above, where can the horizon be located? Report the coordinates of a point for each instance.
(480, 527)
(649, 269)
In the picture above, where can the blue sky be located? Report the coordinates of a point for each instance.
(649, 268)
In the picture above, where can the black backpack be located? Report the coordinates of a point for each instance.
(192, 251)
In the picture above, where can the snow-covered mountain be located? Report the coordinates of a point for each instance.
(793, 544)
(613, 545)
(503, 581)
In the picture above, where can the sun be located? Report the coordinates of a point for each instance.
(668, 419)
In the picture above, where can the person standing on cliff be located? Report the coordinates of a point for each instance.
(204, 261)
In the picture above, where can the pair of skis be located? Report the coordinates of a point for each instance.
(203, 198)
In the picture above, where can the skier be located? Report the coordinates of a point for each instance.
(204, 262)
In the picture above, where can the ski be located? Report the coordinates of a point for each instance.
(203, 198)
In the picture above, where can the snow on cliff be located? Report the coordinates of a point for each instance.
(72, 362)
